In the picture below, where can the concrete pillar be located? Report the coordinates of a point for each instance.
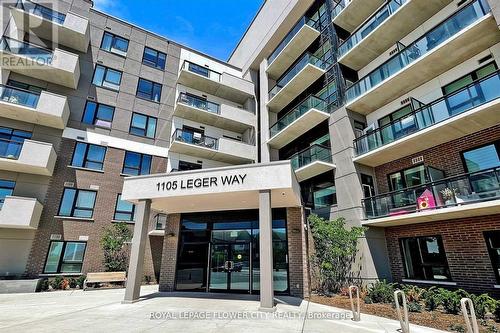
(266, 252)
(136, 265)
(264, 113)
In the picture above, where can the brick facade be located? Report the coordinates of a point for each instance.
(169, 255)
(109, 185)
(297, 255)
(465, 247)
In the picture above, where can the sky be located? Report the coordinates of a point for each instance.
(213, 27)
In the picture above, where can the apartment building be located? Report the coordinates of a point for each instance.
(382, 112)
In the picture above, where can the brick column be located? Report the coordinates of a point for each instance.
(169, 255)
(297, 255)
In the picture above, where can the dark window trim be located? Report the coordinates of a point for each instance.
(486, 235)
(473, 74)
(153, 83)
(114, 36)
(401, 172)
(62, 255)
(157, 57)
(140, 164)
(123, 211)
(496, 143)
(147, 124)
(97, 111)
(85, 159)
(74, 202)
(104, 78)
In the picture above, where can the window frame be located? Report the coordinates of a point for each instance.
(114, 38)
(106, 70)
(148, 119)
(495, 264)
(95, 117)
(472, 74)
(73, 207)
(132, 213)
(85, 156)
(151, 93)
(147, 63)
(462, 157)
(3, 186)
(140, 164)
(61, 257)
(402, 174)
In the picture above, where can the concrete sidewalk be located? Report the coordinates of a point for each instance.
(102, 311)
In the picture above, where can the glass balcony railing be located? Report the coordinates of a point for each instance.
(42, 11)
(459, 190)
(303, 21)
(10, 149)
(201, 70)
(311, 154)
(311, 102)
(32, 51)
(480, 92)
(416, 50)
(199, 103)
(371, 24)
(339, 7)
(305, 60)
(19, 96)
(195, 138)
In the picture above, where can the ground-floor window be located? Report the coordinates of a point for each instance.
(219, 251)
(65, 257)
(424, 258)
(493, 244)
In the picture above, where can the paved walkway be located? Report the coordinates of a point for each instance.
(102, 311)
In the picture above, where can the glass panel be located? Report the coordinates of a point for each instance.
(151, 129)
(99, 75)
(219, 267)
(146, 164)
(481, 158)
(457, 85)
(105, 112)
(74, 252)
(280, 266)
(89, 113)
(67, 202)
(240, 267)
(415, 176)
(19, 96)
(311, 154)
(192, 267)
(53, 257)
(79, 154)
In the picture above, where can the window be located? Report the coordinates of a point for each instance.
(154, 58)
(24, 86)
(136, 164)
(114, 44)
(65, 257)
(98, 114)
(124, 210)
(493, 245)
(107, 77)
(424, 258)
(88, 156)
(11, 142)
(77, 203)
(143, 125)
(469, 78)
(183, 165)
(197, 69)
(149, 90)
(6, 188)
(482, 158)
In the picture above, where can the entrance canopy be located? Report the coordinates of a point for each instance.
(226, 188)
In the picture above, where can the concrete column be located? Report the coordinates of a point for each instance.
(264, 113)
(266, 252)
(136, 265)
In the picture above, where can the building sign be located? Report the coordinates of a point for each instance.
(201, 182)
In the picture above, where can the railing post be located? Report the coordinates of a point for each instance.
(356, 313)
(470, 320)
(402, 312)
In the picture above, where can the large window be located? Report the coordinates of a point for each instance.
(154, 58)
(149, 90)
(6, 189)
(114, 44)
(136, 164)
(493, 245)
(88, 156)
(469, 78)
(77, 203)
(124, 210)
(11, 142)
(107, 77)
(424, 258)
(65, 257)
(143, 125)
(482, 158)
(98, 114)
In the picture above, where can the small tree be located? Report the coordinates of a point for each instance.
(335, 249)
(113, 244)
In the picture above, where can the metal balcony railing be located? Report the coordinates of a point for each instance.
(199, 103)
(14, 95)
(32, 51)
(311, 154)
(195, 138)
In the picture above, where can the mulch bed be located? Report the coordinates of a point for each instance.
(434, 319)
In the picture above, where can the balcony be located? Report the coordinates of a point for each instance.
(299, 77)
(223, 149)
(57, 66)
(349, 14)
(466, 111)
(219, 115)
(292, 46)
(307, 115)
(312, 161)
(467, 195)
(469, 31)
(33, 157)
(20, 213)
(223, 85)
(69, 29)
(43, 108)
(383, 29)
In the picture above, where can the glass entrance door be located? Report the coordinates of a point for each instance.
(230, 267)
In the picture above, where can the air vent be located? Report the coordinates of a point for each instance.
(416, 160)
(393, 51)
(460, 3)
(204, 96)
(107, 28)
(94, 187)
(202, 127)
(405, 101)
(199, 162)
(83, 238)
(91, 98)
(69, 184)
(80, 138)
(484, 59)
(55, 237)
(99, 61)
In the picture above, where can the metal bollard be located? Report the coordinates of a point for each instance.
(470, 320)
(356, 313)
(403, 317)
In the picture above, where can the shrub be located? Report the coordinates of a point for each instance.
(414, 306)
(56, 283)
(457, 328)
(72, 283)
(432, 298)
(113, 244)
(80, 280)
(451, 299)
(497, 310)
(413, 293)
(483, 304)
(381, 292)
(44, 285)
